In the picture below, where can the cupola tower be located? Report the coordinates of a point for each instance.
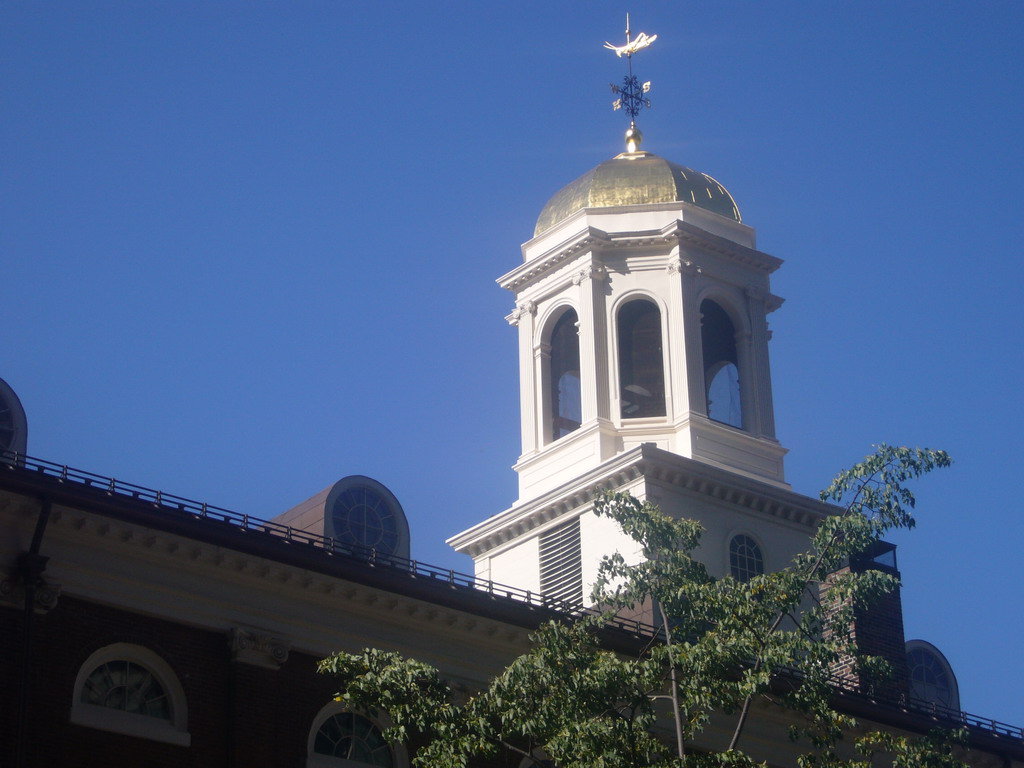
(641, 311)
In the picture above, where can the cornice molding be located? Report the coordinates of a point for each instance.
(545, 263)
(680, 231)
(674, 233)
(647, 462)
(225, 569)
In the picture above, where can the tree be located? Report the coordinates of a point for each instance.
(722, 646)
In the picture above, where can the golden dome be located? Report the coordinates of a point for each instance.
(637, 178)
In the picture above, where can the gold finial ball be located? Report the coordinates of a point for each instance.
(633, 139)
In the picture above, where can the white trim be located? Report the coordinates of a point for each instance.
(615, 364)
(173, 731)
(399, 753)
(753, 537)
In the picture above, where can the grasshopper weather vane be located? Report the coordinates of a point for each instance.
(631, 94)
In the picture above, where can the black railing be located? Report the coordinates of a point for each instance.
(179, 505)
(330, 547)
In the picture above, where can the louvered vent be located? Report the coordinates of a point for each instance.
(561, 567)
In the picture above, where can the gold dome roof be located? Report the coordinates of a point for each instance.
(636, 178)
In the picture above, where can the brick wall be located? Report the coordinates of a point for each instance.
(238, 714)
(877, 630)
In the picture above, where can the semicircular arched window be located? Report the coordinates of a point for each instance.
(721, 365)
(564, 398)
(745, 558)
(641, 362)
(354, 738)
(126, 688)
(347, 739)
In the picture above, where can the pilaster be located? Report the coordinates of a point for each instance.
(590, 282)
(523, 317)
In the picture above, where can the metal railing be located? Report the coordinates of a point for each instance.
(188, 508)
(414, 569)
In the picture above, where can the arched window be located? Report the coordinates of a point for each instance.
(128, 689)
(931, 678)
(745, 558)
(340, 738)
(721, 365)
(363, 514)
(564, 385)
(13, 426)
(641, 363)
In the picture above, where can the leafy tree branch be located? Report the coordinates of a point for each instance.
(722, 644)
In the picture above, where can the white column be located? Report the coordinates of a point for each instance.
(523, 317)
(762, 378)
(675, 342)
(696, 401)
(747, 363)
(593, 342)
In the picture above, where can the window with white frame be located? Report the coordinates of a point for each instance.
(745, 558)
(564, 395)
(126, 688)
(343, 739)
(641, 362)
(721, 365)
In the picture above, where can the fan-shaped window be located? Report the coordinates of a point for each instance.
(343, 738)
(127, 686)
(745, 558)
(931, 678)
(354, 738)
(641, 363)
(721, 365)
(366, 516)
(128, 689)
(564, 394)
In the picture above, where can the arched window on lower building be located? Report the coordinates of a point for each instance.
(641, 362)
(745, 558)
(721, 365)
(564, 400)
(343, 739)
(126, 688)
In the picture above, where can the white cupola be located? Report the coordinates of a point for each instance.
(641, 309)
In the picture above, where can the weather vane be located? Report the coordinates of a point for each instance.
(631, 92)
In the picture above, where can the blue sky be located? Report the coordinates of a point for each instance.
(249, 248)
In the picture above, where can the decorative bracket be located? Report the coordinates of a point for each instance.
(522, 308)
(12, 593)
(259, 648)
(594, 272)
(678, 265)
